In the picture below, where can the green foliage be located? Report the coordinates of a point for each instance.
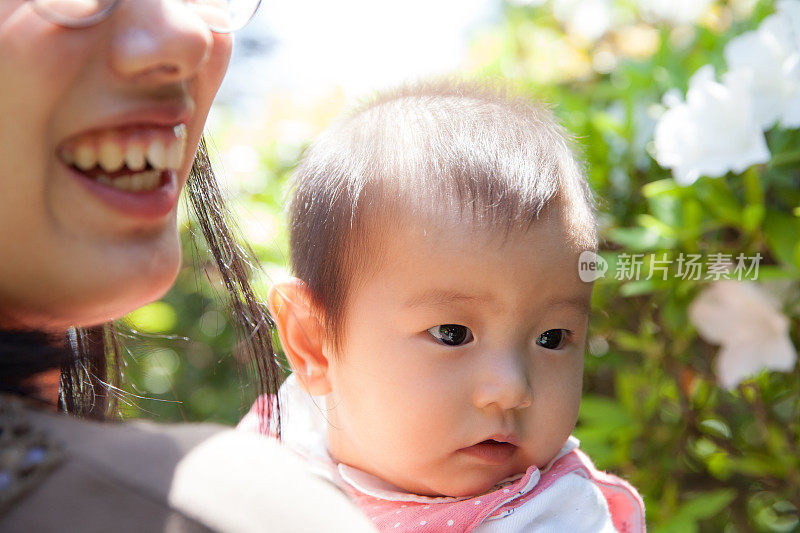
(704, 505)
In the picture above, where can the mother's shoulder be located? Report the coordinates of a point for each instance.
(155, 476)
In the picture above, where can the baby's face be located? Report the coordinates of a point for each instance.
(462, 356)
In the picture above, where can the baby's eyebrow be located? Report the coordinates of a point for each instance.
(579, 303)
(441, 297)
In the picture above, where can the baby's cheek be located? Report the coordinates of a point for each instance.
(552, 416)
(557, 375)
(420, 420)
(545, 433)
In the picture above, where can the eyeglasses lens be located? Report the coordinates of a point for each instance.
(74, 13)
(225, 16)
(222, 16)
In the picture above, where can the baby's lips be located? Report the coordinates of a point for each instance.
(510, 438)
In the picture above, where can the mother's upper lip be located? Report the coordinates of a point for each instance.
(170, 114)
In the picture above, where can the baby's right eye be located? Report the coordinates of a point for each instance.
(451, 334)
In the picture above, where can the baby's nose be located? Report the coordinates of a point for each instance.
(504, 383)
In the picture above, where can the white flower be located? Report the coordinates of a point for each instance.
(713, 132)
(790, 10)
(747, 324)
(675, 12)
(589, 19)
(768, 60)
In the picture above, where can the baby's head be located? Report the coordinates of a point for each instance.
(435, 236)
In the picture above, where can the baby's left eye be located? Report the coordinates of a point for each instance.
(552, 339)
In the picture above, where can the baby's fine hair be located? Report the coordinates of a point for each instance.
(454, 145)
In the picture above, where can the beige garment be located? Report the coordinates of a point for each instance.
(141, 476)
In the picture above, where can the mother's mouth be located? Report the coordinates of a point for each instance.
(131, 159)
(133, 169)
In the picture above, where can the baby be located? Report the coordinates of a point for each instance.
(436, 324)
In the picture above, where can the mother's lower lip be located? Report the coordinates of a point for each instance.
(492, 452)
(146, 205)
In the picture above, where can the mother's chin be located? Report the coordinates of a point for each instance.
(91, 283)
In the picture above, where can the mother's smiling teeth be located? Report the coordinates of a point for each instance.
(129, 158)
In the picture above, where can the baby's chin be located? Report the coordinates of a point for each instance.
(466, 484)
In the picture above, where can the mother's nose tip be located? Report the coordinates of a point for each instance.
(163, 41)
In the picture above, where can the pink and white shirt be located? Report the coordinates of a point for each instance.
(569, 494)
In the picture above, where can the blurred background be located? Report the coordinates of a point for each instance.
(687, 112)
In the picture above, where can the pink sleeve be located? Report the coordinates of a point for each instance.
(624, 502)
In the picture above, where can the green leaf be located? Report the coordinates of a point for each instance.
(719, 200)
(604, 411)
(693, 214)
(605, 122)
(783, 234)
(662, 187)
(719, 466)
(754, 192)
(638, 287)
(636, 238)
(697, 508)
(716, 427)
(664, 226)
(752, 216)
(758, 465)
(769, 272)
(797, 254)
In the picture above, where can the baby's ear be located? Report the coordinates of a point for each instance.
(302, 334)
